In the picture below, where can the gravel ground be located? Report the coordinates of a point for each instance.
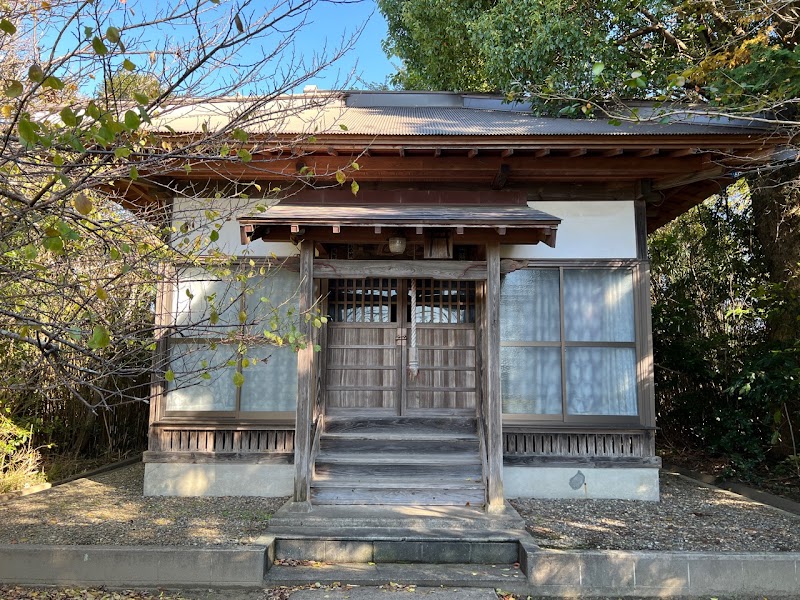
(691, 516)
(109, 509)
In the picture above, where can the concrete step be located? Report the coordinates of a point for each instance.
(503, 576)
(396, 436)
(384, 534)
(433, 549)
(462, 520)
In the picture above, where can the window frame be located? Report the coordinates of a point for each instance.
(168, 315)
(638, 271)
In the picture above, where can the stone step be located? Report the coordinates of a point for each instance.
(334, 533)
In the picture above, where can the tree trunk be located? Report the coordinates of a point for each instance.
(776, 214)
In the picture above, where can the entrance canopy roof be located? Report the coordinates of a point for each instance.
(345, 223)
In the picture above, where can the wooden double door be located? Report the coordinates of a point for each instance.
(371, 339)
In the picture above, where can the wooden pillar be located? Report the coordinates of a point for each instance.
(305, 379)
(493, 403)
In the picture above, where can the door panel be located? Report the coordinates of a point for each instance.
(368, 338)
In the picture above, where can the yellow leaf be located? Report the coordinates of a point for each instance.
(82, 204)
(101, 293)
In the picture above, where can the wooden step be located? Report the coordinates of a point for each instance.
(412, 472)
(427, 425)
(379, 444)
(367, 434)
(433, 496)
(394, 458)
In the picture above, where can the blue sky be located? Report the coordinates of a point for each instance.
(330, 21)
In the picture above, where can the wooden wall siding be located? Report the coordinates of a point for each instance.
(253, 441)
(586, 445)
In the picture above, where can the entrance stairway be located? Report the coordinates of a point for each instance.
(399, 461)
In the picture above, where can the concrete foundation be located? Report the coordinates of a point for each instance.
(581, 482)
(181, 479)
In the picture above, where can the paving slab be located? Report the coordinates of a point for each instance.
(369, 593)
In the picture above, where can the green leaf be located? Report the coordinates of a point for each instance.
(69, 118)
(27, 133)
(134, 173)
(214, 236)
(112, 35)
(240, 135)
(128, 65)
(354, 187)
(169, 375)
(99, 47)
(101, 293)
(205, 375)
(598, 68)
(132, 120)
(238, 379)
(122, 152)
(101, 338)
(13, 89)
(340, 177)
(53, 244)
(35, 73)
(244, 155)
(114, 254)
(54, 83)
(8, 27)
(141, 98)
(343, 127)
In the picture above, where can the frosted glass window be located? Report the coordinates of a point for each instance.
(206, 293)
(601, 381)
(598, 305)
(530, 380)
(529, 306)
(278, 289)
(189, 391)
(270, 386)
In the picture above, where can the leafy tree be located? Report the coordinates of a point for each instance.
(727, 275)
(83, 218)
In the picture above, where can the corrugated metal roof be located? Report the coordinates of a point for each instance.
(332, 116)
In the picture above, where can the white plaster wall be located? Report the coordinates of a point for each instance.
(588, 230)
(176, 479)
(192, 211)
(561, 483)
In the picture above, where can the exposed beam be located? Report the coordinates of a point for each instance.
(611, 152)
(472, 153)
(437, 152)
(541, 152)
(500, 180)
(417, 169)
(428, 269)
(507, 152)
(332, 151)
(576, 152)
(681, 152)
(647, 152)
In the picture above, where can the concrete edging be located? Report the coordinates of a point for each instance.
(124, 566)
(649, 574)
(548, 572)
